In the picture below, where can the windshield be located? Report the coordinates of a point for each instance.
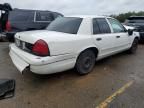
(65, 25)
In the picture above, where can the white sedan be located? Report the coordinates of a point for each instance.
(68, 42)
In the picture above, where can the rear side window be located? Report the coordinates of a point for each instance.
(96, 29)
(44, 16)
(100, 26)
(66, 25)
(20, 16)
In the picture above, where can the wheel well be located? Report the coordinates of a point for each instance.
(137, 38)
(95, 50)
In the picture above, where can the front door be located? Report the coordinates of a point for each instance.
(120, 33)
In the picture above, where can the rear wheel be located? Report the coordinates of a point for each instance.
(85, 62)
(134, 46)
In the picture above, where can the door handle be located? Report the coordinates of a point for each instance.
(98, 39)
(117, 36)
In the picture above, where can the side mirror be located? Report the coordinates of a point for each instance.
(130, 32)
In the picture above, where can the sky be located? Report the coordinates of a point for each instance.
(81, 7)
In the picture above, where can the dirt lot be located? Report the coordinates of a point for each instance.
(116, 82)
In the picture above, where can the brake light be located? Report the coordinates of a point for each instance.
(40, 48)
(8, 26)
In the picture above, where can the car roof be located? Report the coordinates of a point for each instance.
(88, 16)
(136, 17)
(30, 10)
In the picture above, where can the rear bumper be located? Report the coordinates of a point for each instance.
(55, 67)
(18, 62)
(40, 65)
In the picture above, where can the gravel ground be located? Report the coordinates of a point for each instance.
(69, 90)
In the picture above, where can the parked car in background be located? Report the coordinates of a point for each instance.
(68, 42)
(19, 20)
(138, 23)
(135, 32)
(4, 11)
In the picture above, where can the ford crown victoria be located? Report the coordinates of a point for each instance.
(71, 42)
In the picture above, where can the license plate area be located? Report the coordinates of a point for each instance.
(24, 45)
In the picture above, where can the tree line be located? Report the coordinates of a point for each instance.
(123, 16)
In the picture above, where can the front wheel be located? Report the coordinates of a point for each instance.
(134, 46)
(85, 62)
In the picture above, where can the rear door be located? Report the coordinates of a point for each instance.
(120, 33)
(103, 37)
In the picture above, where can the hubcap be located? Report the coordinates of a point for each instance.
(87, 62)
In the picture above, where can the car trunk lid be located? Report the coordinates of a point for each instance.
(33, 36)
(55, 40)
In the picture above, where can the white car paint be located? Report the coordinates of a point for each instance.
(65, 48)
(128, 27)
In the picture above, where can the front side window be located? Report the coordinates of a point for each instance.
(100, 26)
(66, 25)
(117, 26)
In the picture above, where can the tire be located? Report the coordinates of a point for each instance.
(134, 46)
(85, 62)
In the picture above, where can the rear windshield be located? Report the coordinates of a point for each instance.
(21, 15)
(65, 25)
(136, 20)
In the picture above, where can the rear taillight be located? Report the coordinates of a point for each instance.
(40, 48)
(8, 26)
